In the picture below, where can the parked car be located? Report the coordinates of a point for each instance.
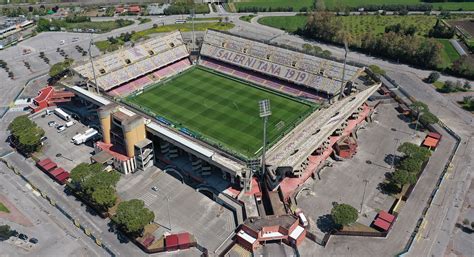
(154, 189)
(61, 128)
(33, 240)
(44, 139)
(23, 236)
(51, 123)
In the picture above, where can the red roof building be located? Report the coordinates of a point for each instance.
(178, 241)
(47, 96)
(258, 230)
(119, 9)
(46, 165)
(61, 178)
(382, 224)
(432, 140)
(386, 216)
(134, 9)
(43, 162)
(171, 242)
(434, 135)
(56, 172)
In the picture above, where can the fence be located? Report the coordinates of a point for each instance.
(60, 208)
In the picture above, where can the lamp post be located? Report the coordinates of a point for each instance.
(346, 49)
(363, 195)
(92, 65)
(265, 112)
(393, 156)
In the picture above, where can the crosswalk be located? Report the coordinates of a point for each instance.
(148, 198)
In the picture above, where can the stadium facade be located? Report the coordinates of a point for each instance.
(290, 161)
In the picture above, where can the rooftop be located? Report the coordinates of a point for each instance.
(258, 223)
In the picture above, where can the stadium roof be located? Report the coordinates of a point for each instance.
(293, 149)
(93, 97)
(299, 68)
(126, 64)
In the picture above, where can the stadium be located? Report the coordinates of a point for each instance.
(198, 116)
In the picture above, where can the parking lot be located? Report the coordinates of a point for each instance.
(60, 142)
(356, 181)
(179, 207)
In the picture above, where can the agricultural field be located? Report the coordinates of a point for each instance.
(296, 4)
(338, 4)
(359, 25)
(356, 25)
(467, 28)
(221, 110)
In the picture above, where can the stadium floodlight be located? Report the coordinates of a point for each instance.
(92, 65)
(346, 48)
(265, 112)
(265, 109)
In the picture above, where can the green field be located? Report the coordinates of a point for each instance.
(339, 4)
(356, 25)
(222, 110)
(3, 208)
(449, 53)
(287, 23)
(246, 18)
(296, 4)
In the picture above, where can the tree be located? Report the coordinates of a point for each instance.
(411, 165)
(60, 68)
(403, 177)
(79, 174)
(105, 197)
(467, 85)
(433, 77)
(132, 216)
(428, 118)
(6, 232)
(344, 214)
(100, 179)
(25, 134)
(419, 106)
(465, 222)
(414, 151)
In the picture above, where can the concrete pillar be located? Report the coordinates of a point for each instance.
(105, 121)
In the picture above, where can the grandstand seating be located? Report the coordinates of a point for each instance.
(140, 83)
(295, 67)
(260, 79)
(118, 67)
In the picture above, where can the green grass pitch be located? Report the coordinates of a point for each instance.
(221, 109)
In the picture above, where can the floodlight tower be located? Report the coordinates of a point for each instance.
(92, 65)
(346, 48)
(265, 112)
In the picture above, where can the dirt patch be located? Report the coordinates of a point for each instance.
(466, 25)
(15, 215)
